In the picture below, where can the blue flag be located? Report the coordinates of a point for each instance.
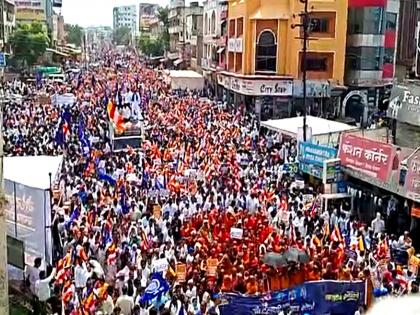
(84, 141)
(156, 288)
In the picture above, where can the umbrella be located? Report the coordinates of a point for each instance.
(274, 259)
(296, 255)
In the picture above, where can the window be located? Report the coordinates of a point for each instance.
(232, 28)
(364, 58)
(240, 27)
(266, 51)
(205, 23)
(391, 21)
(319, 25)
(315, 64)
(213, 23)
(366, 20)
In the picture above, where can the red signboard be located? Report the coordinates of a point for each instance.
(373, 158)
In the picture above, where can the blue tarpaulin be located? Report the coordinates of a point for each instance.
(312, 298)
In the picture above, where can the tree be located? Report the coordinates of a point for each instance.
(163, 16)
(28, 42)
(150, 46)
(74, 34)
(122, 36)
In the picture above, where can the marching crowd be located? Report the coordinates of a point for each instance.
(206, 206)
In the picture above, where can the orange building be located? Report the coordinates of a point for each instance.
(264, 55)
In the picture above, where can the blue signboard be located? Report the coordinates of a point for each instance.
(311, 298)
(311, 153)
(2, 60)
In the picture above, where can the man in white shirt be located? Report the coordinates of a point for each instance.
(81, 275)
(42, 286)
(125, 302)
(32, 274)
(378, 225)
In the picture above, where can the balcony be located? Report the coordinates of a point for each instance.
(222, 41)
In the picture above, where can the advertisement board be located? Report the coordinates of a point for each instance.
(312, 156)
(371, 157)
(404, 104)
(318, 297)
(389, 167)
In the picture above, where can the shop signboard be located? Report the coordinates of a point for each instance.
(312, 156)
(311, 153)
(404, 104)
(389, 167)
(331, 171)
(257, 87)
(368, 156)
(314, 88)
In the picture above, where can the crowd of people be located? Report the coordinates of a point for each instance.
(206, 206)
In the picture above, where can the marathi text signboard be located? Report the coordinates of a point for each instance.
(371, 157)
(404, 104)
(318, 297)
(389, 167)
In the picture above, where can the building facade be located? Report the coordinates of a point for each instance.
(214, 39)
(9, 24)
(126, 16)
(195, 38)
(28, 11)
(147, 14)
(264, 56)
(370, 56)
(179, 50)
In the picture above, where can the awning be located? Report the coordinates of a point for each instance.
(57, 52)
(178, 61)
(220, 50)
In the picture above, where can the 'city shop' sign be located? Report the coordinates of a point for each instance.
(257, 87)
(270, 90)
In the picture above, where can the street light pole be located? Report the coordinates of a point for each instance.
(4, 284)
(305, 25)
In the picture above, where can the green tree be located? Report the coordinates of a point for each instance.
(163, 16)
(29, 42)
(122, 36)
(150, 46)
(74, 34)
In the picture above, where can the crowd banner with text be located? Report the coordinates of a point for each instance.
(318, 297)
(389, 167)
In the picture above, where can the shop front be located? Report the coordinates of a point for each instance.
(404, 111)
(386, 177)
(273, 95)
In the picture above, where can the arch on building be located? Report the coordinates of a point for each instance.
(266, 51)
(213, 22)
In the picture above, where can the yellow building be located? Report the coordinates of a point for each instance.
(264, 53)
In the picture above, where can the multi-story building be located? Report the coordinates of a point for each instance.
(126, 16)
(28, 11)
(195, 37)
(214, 38)
(370, 56)
(155, 28)
(179, 51)
(147, 14)
(264, 56)
(9, 24)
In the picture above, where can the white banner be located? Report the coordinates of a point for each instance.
(28, 218)
(236, 233)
